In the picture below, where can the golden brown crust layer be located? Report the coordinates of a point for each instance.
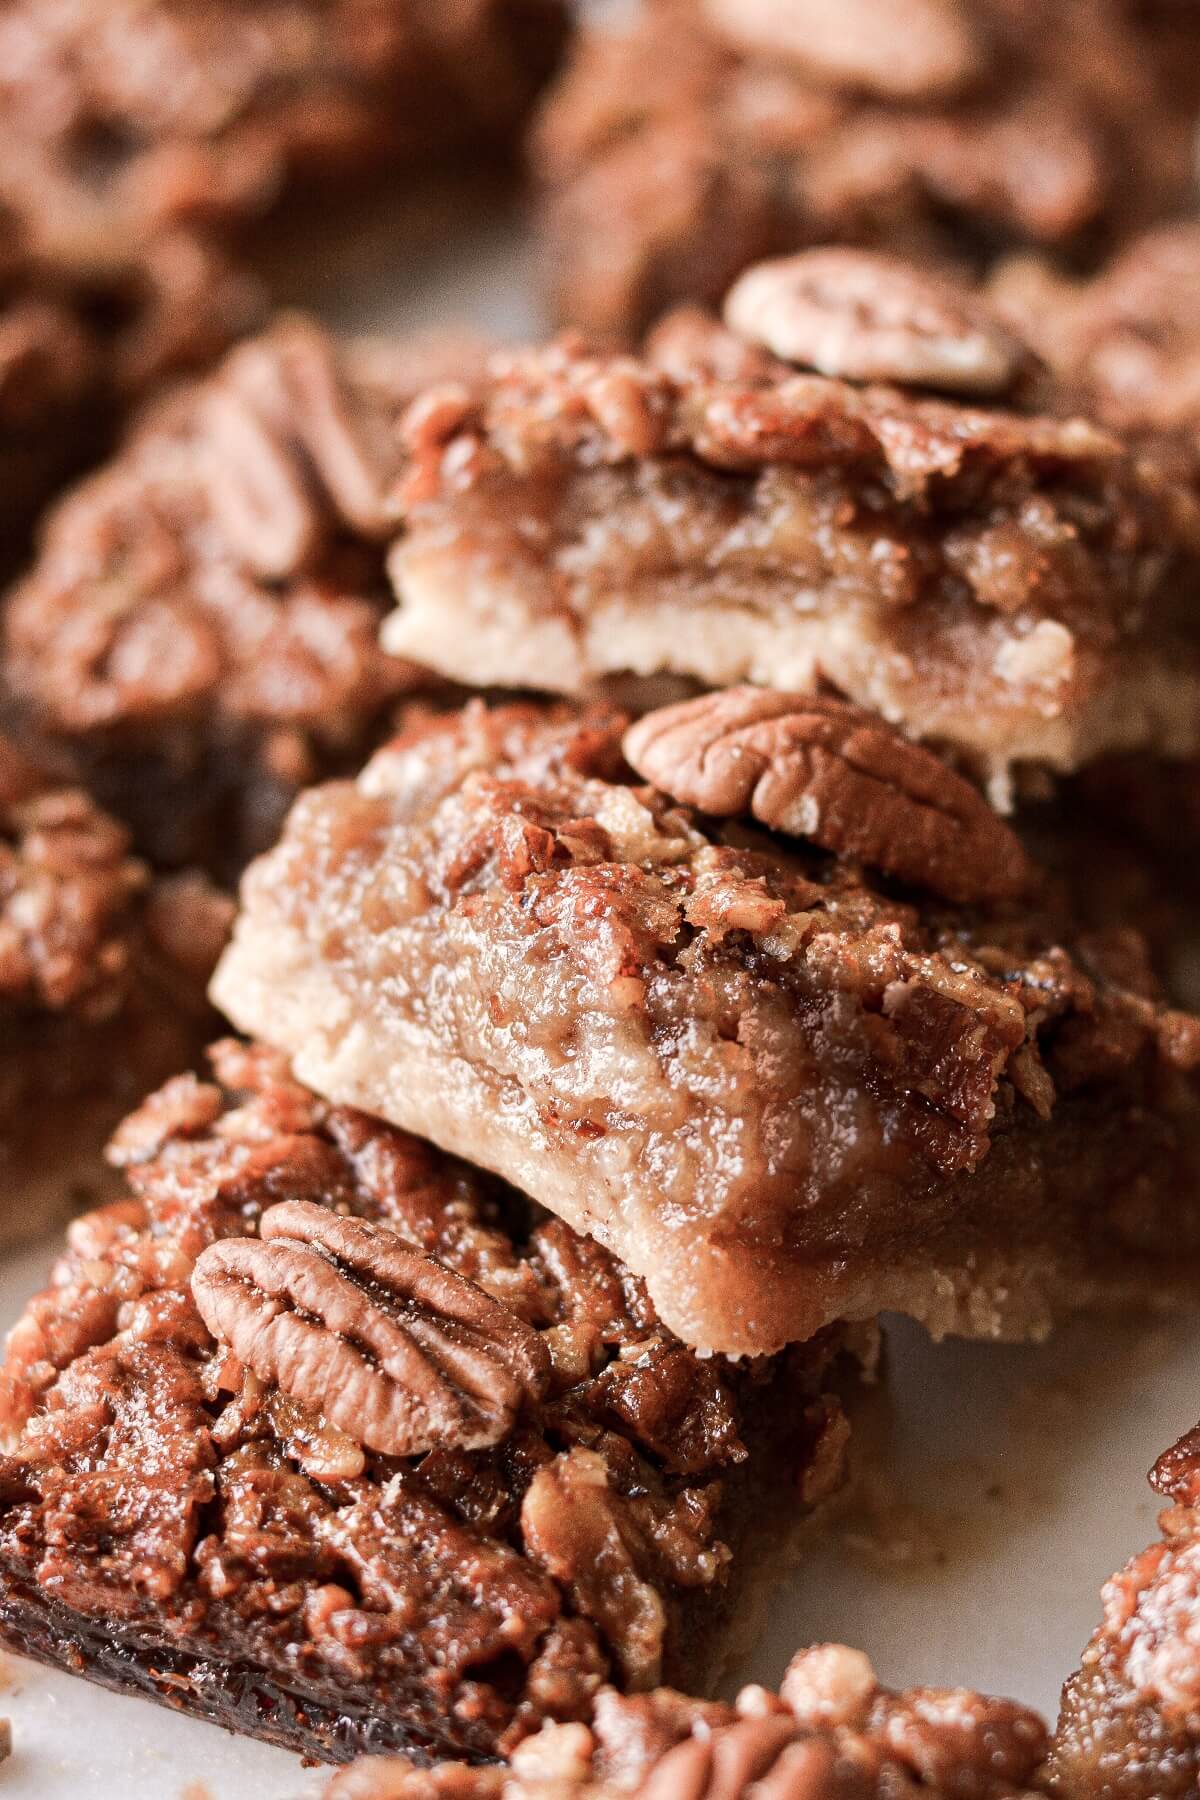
(767, 1080)
(709, 133)
(450, 1598)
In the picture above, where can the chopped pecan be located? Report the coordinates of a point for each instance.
(937, 1733)
(125, 1458)
(574, 1526)
(904, 49)
(386, 1344)
(672, 1403)
(865, 317)
(868, 1743)
(818, 768)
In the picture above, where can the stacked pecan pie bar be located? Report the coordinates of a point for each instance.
(862, 479)
(782, 1013)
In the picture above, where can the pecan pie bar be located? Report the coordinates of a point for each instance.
(141, 141)
(125, 119)
(864, 479)
(325, 1437)
(831, 1733)
(102, 976)
(200, 630)
(795, 1032)
(1129, 1728)
(706, 133)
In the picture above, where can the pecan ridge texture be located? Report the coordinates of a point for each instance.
(398, 1351)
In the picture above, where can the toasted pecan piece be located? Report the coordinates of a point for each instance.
(401, 1353)
(859, 316)
(816, 767)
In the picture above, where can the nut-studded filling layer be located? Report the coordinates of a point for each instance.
(407, 1460)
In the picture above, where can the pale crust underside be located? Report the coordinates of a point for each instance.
(486, 626)
(990, 1278)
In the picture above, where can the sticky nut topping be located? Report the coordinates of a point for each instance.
(817, 768)
(859, 316)
(386, 1344)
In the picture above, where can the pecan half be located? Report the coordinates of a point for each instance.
(388, 1345)
(819, 768)
(907, 49)
(289, 451)
(860, 316)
